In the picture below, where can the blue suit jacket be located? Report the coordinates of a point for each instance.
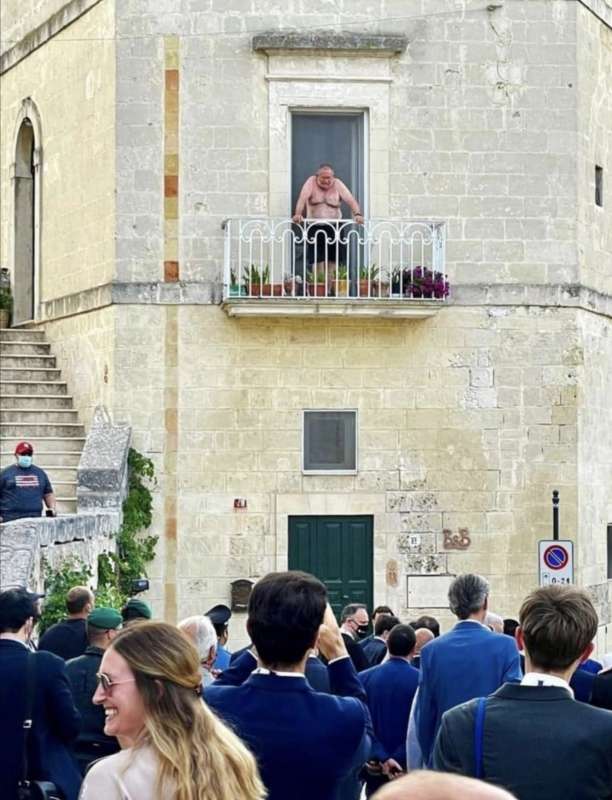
(374, 650)
(390, 688)
(242, 666)
(55, 721)
(305, 742)
(469, 661)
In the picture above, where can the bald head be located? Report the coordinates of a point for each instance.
(440, 786)
(423, 635)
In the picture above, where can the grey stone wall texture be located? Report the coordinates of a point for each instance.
(492, 118)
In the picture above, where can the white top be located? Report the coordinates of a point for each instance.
(545, 679)
(127, 775)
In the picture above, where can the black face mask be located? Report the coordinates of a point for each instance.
(362, 631)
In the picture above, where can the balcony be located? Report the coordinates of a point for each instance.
(383, 268)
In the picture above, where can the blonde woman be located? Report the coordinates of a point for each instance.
(174, 747)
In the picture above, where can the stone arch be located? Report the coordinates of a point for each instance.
(26, 185)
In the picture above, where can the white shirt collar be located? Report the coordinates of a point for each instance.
(264, 671)
(544, 679)
(12, 637)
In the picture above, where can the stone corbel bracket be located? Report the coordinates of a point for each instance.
(102, 475)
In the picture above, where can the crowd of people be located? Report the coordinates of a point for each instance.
(112, 704)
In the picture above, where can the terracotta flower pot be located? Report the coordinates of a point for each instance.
(368, 288)
(269, 289)
(316, 290)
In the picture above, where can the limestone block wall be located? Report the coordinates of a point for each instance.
(71, 80)
(466, 421)
(594, 54)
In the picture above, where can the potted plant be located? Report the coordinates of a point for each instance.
(235, 289)
(317, 283)
(6, 305)
(257, 282)
(340, 280)
(427, 283)
(368, 281)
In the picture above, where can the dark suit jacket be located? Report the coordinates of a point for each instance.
(582, 685)
(602, 690)
(67, 639)
(539, 743)
(55, 721)
(374, 649)
(241, 667)
(360, 662)
(390, 688)
(305, 742)
(468, 661)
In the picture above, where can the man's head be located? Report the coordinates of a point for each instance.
(354, 619)
(135, 611)
(325, 176)
(19, 612)
(510, 626)
(423, 636)
(200, 630)
(381, 611)
(401, 641)
(427, 622)
(103, 625)
(468, 597)
(23, 454)
(80, 602)
(557, 626)
(494, 622)
(440, 786)
(220, 615)
(285, 612)
(384, 624)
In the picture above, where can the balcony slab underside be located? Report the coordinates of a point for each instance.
(313, 307)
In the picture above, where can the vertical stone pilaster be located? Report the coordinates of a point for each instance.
(171, 157)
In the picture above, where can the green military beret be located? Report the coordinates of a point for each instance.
(136, 608)
(107, 619)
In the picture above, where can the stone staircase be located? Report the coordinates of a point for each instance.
(35, 406)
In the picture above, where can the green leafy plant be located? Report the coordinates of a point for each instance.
(6, 299)
(317, 276)
(256, 277)
(72, 572)
(368, 273)
(341, 273)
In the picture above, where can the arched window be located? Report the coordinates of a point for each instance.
(26, 227)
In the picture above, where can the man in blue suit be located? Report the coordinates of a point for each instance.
(390, 688)
(375, 647)
(307, 744)
(469, 661)
(55, 720)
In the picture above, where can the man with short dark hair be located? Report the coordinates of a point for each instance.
(55, 720)
(354, 621)
(390, 688)
(427, 622)
(307, 744)
(535, 739)
(375, 649)
(68, 638)
(468, 661)
(92, 743)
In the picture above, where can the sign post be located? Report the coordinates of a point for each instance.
(556, 561)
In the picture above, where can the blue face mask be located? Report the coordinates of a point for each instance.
(24, 461)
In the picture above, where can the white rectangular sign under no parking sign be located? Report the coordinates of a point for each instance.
(556, 561)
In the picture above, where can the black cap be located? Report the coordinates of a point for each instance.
(17, 606)
(219, 615)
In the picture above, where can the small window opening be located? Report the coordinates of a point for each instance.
(330, 441)
(599, 186)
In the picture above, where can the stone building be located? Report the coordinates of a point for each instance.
(133, 131)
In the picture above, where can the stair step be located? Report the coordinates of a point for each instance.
(21, 334)
(26, 361)
(34, 402)
(25, 416)
(28, 374)
(24, 348)
(35, 388)
(47, 459)
(34, 430)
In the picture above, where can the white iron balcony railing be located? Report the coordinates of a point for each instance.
(336, 260)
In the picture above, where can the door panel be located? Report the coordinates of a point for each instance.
(338, 550)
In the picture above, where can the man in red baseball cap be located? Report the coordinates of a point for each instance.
(24, 487)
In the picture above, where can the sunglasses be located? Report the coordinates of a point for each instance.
(107, 684)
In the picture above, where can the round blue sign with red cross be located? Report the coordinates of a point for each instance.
(556, 557)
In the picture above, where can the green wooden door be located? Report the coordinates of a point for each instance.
(338, 550)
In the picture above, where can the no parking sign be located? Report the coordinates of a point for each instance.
(556, 561)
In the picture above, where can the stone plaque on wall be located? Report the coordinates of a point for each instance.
(428, 591)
